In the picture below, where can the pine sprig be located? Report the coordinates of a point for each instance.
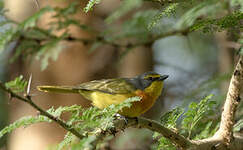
(93, 119)
(41, 43)
(90, 119)
(205, 8)
(90, 5)
(136, 27)
(169, 119)
(50, 50)
(89, 122)
(85, 143)
(5, 37)
(162, 143)
(219, 24)
(196, 112)
(237, 4)
(26, 121)
(60, 110)
(23, 122)
(207, 131)
(167, 12)
(238, 126)
(31, 21)
(18, 85)
(67, 141)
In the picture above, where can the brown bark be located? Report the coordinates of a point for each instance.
(232, 100)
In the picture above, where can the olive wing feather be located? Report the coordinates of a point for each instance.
(111, 86)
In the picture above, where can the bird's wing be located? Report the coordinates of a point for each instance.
(111, 86)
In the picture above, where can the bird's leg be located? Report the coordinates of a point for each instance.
(113, 131)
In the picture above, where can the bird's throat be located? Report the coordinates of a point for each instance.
(155, 89)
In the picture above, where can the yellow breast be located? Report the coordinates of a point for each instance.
(102, 100)
(148, 97)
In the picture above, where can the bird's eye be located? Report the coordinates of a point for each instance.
(150, 78)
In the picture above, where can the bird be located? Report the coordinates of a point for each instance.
(105, 92)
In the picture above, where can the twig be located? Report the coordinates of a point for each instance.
(152, 125)
(86, 41)
(130, 45)
(176, 138)
(28, 100)
(171, 33)
(231, 103)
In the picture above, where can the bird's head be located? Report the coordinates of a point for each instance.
(152, 76)
(148, 79)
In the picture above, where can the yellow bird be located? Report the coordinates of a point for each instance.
(102, 93)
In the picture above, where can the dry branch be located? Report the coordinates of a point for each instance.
(232, 100)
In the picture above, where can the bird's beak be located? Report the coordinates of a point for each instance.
(163, 77)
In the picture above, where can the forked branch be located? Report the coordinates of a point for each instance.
(232, 100)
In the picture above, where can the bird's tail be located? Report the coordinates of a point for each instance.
(58, 89)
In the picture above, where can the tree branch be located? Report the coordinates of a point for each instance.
(231, 103)
(103, 40)
(129, 45)
(176, 138)
(140, 122)
(28, 100)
